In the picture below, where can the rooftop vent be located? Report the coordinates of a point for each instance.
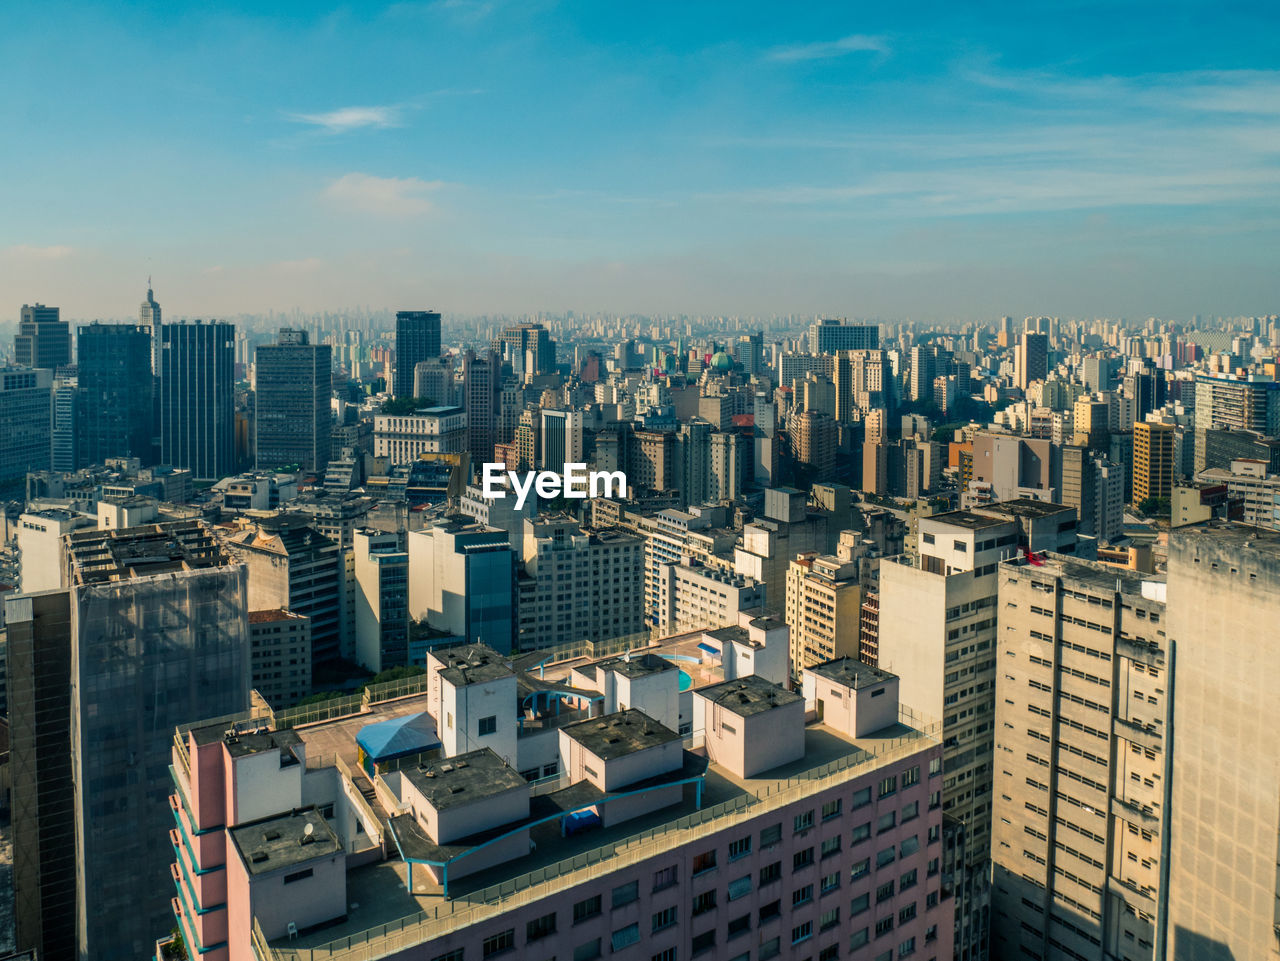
(271, 836)
(258, 857)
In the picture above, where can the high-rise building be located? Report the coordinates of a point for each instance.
(829, 335)
(292, 384)
(417, 339)
(528, 348)
(693, 457)
(824, 603)
(294, 567)
(197, 398)
(43, 339)
(726, 466)
(382, 599)
(814, 442)
(26, 421)
(149, 316)
(1236, 404)
(403, 438)
(693, 597)
(116, 403)
(280, 661)
(562, 439)
(1224, 581)
(65, 429)
(150, 632)
(1153, 461)
(1082, 771)
(1031, 359)
(481, 388)
(462, 581)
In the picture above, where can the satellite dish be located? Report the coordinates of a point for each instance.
(309, 830)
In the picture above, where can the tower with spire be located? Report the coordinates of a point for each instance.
(149, 313)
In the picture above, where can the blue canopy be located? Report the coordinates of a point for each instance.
(709, 649)
(399, 736)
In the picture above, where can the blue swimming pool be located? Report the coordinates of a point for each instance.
(686, 681)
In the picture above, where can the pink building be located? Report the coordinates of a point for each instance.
(765, 833)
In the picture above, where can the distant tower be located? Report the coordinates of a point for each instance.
(197, 405)
(43, 339)
(417, 339)
(292, 384)
(149, 315)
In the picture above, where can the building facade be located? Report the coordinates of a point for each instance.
(197, 398)
(293, 382)
(417, 339)
(115, 386)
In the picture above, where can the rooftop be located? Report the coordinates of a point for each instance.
(464, 779)
(275, 614)
(638, 665)
(285, 840)
(472, 664)
(746, 696)
(100, 556)
(1026, 507)
(618, 735)
(852, 673)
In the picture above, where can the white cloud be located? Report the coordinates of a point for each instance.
(31, 252)
(829, 49)
(346, 119)
(383, 196)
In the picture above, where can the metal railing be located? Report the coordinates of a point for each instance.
(481, 905)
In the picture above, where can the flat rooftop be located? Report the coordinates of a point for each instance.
(1026, 507)
(966, 519)
(852, 673)
(285, 841)
(748, 696)
(638, 665)
(617, 735)
(100, 556)
(464, 779)
(472, 664)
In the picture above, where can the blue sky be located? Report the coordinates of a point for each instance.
(892, 160)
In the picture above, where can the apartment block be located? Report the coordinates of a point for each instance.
(1082, 763)
(823, 609)
(280, 656)
(432, 430)
(382, 599)
(693, 597)
(761, 832)
(462, 583)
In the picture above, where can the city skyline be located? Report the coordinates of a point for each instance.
(494, 157)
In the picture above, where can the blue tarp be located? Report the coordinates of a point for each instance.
(580, 821)
(399, 736)
(709, 649)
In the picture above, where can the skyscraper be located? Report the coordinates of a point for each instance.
(1031, 359)
(197, 407)
(65, 453)
(115, 391)
(292, 385)
(1153, 463)
(151, 631)
(829, 335)
(481, 383)
(25, 421)
(528, 348)
(417, 339)
(149, 316)
(1228, 402)
(562, 440)
(43, 339)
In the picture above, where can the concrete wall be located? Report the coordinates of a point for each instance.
(465, 706)
(262, 787)
(854, 713)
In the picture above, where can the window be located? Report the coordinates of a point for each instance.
(888, 786)
(740, 887)
(625, 937)
(859, 938)
(886, 821)
(803, 821)
(861, 798)
(739, 848)
(961, 546)
(861, 832)
(626, 893)
(831, 810)
(488, 725)
(299, 875)
(830, 882)
(588, 951)
(929, 538)
(739, 926)
(667, 877)
(910, 811)
(454, 955)
(884, 892)
(802, 859)
(802, 895)
(910, 846)
(664, 919)
(829, 953)
(769, 949)
(586, 909)
(859, 904)
(704, 862)
(907, 947)
(886, 856)
(907, 913)
(770, 911)
(831, 846)
(908, 880)
(860, 869)
(911, 776)
(770, 873)
(933, 866)
(497, 943)
(771, 836)
(931, 900)
(667, 955)
(539, 928)
(703, 942)
(884, 926)
(802, 932)
(829, 919)
(704, 902)
(931, 934)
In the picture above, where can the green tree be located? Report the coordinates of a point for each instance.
(403, 406)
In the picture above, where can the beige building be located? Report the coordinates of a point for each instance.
(692, 597)
(824, 603)
(1082, 766)
(1225, 819)
(280, 656)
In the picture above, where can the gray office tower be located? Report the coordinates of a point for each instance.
(417, 339)
(149, 316)
(197, 400)
(43, 339)
(115, 403)
(151, 632)
(293, 379)
(828, 336)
